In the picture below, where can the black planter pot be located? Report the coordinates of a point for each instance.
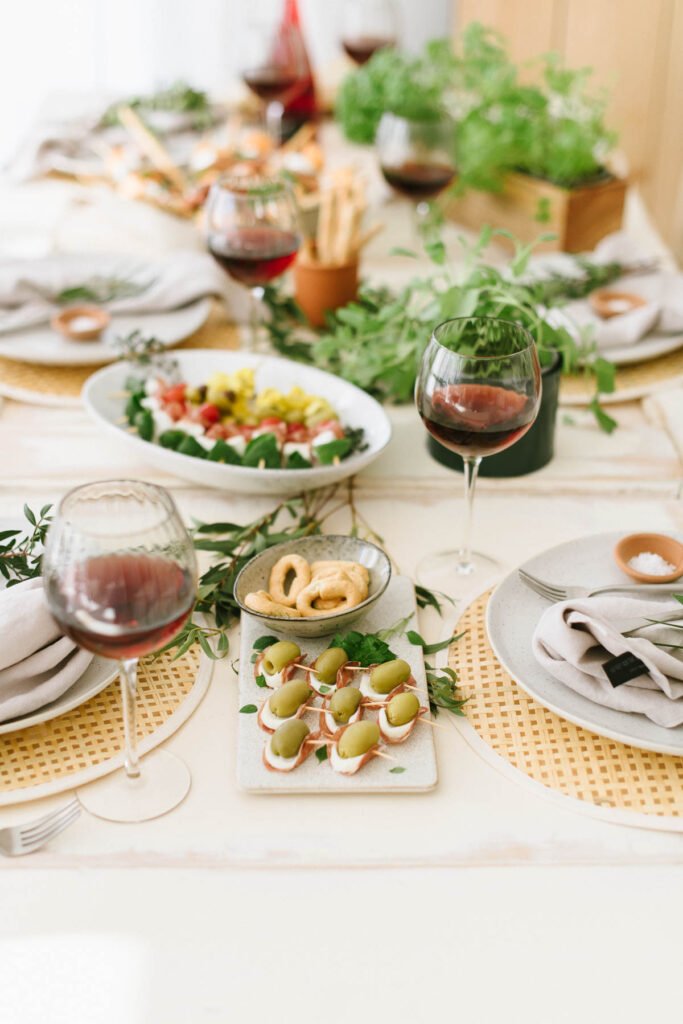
(533, 451)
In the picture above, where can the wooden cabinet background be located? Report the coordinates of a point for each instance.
(636, 49)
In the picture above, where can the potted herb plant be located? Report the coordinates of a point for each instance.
(526, 153)
(377, 342)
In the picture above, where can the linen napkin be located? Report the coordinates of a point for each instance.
(662, 291)
(37, 663)
(29, 288)
(574, 640)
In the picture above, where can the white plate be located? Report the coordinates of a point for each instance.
(45, 347)
(417, 755)
(354, 407)
(98, 674)
(512, 616)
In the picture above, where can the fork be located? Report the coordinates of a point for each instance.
(20, 839)
(554, 592)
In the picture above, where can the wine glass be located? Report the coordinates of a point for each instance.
(368, 26)
(478, 391)
(274, 67)
(416, 157)
(253, 233)
(120, 579)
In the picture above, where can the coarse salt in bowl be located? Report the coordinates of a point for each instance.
(650, 557)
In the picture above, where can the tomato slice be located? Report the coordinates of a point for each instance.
(175, 393)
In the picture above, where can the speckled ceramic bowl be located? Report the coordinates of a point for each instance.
(327, 547)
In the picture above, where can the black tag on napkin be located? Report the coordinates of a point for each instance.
(623, 668)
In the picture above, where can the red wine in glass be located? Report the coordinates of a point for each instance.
(477, 419)
(271, 82)
(125, 605)
(419, 180)
(254, 255)
(361, 48)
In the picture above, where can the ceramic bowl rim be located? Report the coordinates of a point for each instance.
(370, 599)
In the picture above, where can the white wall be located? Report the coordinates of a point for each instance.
(123, 45)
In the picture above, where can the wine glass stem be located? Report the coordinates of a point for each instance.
(274, 113)
(471, 471)
(129, 683)
(257, 294)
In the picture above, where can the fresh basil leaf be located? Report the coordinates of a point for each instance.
(398, 770)
(262, 642)
(248, 709)
(262, 449)
(261, 681)
(321, 754)
(327, 453)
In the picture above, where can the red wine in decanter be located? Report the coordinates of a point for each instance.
(300, 105)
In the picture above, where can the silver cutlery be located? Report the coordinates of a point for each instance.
(555, 592)
(20, 839)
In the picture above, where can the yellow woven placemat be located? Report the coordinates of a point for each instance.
(67, 381)
(632, 381)
(93, 732)
(551, 751)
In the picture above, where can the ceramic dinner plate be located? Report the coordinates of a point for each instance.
(512, 616)
(102, 398)
(45, 347)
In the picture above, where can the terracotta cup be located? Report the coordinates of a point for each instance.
(321, 288)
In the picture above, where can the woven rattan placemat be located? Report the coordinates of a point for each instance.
(30, 382)
(57, 754)
(633, 381)
(551, 751)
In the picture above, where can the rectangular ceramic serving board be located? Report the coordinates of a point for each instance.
(417, 755)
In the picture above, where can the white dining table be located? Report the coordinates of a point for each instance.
(484, 899)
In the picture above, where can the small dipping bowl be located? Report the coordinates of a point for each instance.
(81, 323)
(659, 544)
(607, 303)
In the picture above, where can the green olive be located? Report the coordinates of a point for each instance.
(385, 678)
(286, 701)
(288, 737)
(402, 708)
(278, 655)
(345, 703)
(328, 664)
(357, 739)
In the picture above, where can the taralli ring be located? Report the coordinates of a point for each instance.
(280, 591)
(341, 589)
(260, 601)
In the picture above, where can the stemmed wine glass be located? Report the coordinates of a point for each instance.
(368, 26)
(478, 392)
(253, 233)
(416, 157)
(273, 67)
(120, 579)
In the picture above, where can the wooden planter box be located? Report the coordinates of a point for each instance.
(579, 217)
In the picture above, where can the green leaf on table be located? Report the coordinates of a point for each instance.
(679, 598)
(398, 250)
(261, 681)
(436, 251)
(605, 375)
(605, 421)
(398, 770)
(434, 648)
(248, 709)
(262, 642)
(321, 754)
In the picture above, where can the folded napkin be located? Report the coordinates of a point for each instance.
(37, 662)
(29, 288)
(574, 639)
(662, 291)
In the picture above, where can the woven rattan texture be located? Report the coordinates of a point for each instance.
(641, 377)
(550, 750)
(93, 732)
(67, 381)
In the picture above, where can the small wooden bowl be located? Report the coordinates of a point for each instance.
(322, 288)
(659, 544)
(65, 322)
(603, 300)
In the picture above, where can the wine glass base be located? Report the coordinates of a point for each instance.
(449, 573)
(164, 782)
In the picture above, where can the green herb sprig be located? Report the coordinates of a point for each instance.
(178, 98)
(21, 551)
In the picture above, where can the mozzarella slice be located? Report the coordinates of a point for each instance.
(323, 689)
(303, 449)
(283, 764)
(324, 437)
(239, 443)
(393, 732)
(368, 690)
(344, 765)
(332, 726)
(162, 421)
(271, 720)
